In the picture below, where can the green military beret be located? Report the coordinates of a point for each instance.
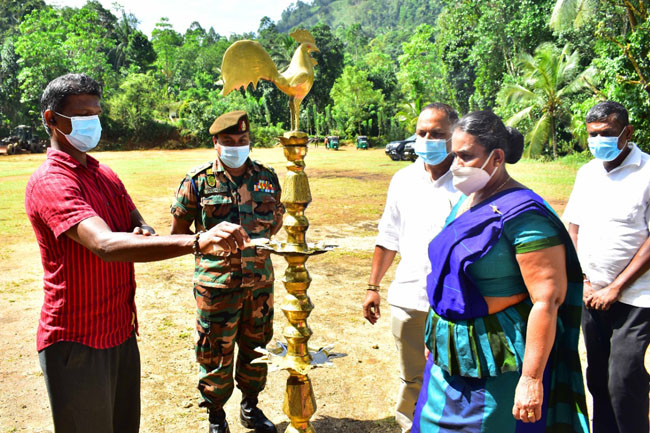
(235, 122)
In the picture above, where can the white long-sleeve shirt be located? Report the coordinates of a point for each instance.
(416, 210)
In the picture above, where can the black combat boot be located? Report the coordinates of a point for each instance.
(218, 423)
(252, 417)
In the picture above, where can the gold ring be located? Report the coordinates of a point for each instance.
(531, 414)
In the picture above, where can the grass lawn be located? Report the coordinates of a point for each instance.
(348, 186)
(348, 189)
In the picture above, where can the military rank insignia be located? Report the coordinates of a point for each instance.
(264, 186)
(210, 177)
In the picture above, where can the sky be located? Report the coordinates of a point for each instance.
(226, 16)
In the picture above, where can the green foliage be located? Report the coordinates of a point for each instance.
(265, 136)
(420, 67)
(330, 64)
(12, 13)
(548, 79)
(131, 48)
(380, 61)
(409, 113)
(355, 100)
(196, 115)
(10, 114)
(478, 42)
(134, 106)
(619, 36)
(50, 45)
(166, 42)
(376, 16)
(572, 13)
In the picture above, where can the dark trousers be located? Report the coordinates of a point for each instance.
(93, 390)
(616, 342)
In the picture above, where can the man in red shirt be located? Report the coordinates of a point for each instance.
(90, 233)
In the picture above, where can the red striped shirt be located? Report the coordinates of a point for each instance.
(87, 300)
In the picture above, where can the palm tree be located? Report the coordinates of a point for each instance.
(408, 114)
(282, 51)
(548, 78)
(121, 33)
(574, 13)
(571, 13)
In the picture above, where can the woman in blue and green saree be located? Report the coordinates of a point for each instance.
(505, 292)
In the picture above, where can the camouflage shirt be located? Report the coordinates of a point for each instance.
(253, 203)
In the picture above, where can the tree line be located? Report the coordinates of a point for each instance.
(540, 64)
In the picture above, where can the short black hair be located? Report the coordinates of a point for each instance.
(451, 114)
(491, 133)
(58, 89)
(601, 111)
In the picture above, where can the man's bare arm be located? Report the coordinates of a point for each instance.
(604, 298)
(381, 261)
(94, 234)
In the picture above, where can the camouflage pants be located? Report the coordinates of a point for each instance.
(243, 316)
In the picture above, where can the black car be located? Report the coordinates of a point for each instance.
(402, 150)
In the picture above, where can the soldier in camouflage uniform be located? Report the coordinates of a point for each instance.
(234, 293)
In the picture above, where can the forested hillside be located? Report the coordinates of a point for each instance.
(540, 64)
(375, 16)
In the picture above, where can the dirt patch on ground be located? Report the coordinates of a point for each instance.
(347, 174)
(357, 395)
(557, 205)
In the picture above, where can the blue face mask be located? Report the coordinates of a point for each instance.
(86, 131)
(432, 151)
(234, 156)
(605, 148)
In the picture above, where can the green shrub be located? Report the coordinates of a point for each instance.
(265, 136)
(576, 159)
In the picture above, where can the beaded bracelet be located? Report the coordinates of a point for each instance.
(196, 248)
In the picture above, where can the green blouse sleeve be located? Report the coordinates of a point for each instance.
(531, 231)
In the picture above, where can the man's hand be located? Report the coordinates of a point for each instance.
(587, 292)
(371, 306)
(225, 237)
(144, 230)
(604, 298)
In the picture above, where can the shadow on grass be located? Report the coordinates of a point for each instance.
(328, 424)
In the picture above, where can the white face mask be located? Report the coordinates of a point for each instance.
(468, 180)
(233, 156)
(86, 131)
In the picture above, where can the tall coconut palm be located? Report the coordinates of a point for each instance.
(121, 33)
(548, 78)
(571, 13)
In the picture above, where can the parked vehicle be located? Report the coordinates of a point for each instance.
(402, 150)
(362, 142)
(332, 142)
(22, 140)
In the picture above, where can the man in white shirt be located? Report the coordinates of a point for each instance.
(419, 200)
(609, 216)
